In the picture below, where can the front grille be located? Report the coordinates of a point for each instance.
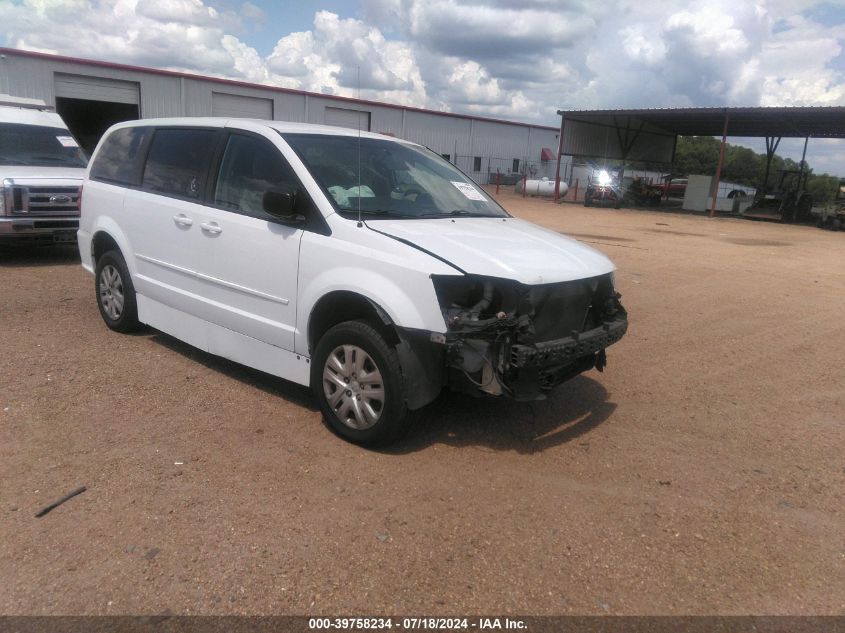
(45, 201)
(560, 309)
(56, 224)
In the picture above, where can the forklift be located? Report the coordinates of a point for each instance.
(788, 202)
(833, 216)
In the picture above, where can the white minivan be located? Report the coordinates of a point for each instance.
(364, 266)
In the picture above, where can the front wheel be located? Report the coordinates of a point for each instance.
(115, 293)
(358, 382)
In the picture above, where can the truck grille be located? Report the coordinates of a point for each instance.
(32, 201)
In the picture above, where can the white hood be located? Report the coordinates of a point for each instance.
(21, 174)
(510, 249)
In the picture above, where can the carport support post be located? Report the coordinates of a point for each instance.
(802, 179)
(771, 147)
(559, 150)
(719, 166)
(671, 169)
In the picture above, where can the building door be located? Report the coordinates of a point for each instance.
(241, 107)
(90, 105)
(344, 117)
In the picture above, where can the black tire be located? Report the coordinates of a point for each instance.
(617, 204)
(105, 286)
(393, 416)
(588, 201)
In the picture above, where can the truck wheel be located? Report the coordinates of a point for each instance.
(358, 382)
(115, 293)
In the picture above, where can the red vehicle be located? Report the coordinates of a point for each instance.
(675, 188)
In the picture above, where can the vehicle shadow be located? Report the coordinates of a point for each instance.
(30, 255)
(573, 409)
(290, 391)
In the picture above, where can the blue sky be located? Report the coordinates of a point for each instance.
(516, 60)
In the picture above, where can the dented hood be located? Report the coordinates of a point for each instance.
(510, 249)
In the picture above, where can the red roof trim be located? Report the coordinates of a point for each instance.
(244, 84)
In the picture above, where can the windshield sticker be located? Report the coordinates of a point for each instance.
(468, 190)
(67, 141)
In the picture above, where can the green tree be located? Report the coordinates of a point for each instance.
(700, 155)
(823, 188)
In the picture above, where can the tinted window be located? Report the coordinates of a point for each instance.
(120, 156)
(38, 146)
(178, 162)
(251, 167)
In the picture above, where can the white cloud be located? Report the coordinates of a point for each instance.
(253, 12)
(340, 55)
(519, 60)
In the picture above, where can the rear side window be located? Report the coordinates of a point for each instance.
(177, 163)
(119, 159)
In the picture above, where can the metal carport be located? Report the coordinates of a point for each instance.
(650, 135)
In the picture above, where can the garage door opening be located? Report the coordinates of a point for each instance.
(88, 120)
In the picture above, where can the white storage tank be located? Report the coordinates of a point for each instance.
(543, 187)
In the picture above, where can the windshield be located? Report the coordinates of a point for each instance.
(396, 180)
(39, 146)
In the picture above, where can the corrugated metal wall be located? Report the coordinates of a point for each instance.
(596, 140)
(167, 96)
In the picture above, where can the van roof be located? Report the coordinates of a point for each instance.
(252, 124)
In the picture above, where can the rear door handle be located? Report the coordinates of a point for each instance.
(182, 220)
(211, 227)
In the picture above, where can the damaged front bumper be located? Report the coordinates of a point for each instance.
(580, 344)
(527, 371)
(537, 368)
(507, 339)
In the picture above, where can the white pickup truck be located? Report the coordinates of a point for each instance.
(41, 171)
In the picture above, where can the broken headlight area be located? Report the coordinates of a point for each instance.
(507, 338)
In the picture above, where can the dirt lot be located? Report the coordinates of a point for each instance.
(702, 472)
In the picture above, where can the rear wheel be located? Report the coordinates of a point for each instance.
(115, 293)
(358, 382)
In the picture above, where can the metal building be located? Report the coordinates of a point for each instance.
(92, 95)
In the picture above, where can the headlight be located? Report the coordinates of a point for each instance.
(474, 298)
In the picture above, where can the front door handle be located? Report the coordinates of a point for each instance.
(182, 220)
(211, 227)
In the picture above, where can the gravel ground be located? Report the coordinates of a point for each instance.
(701, 473)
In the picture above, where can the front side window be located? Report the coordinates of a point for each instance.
(394, 179)
(250, 168)
(119, 158)
(39, 146)
(177, 162)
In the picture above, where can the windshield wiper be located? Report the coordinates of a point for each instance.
(455, 212)
(384, 212)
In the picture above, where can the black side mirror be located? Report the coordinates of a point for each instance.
(282, 206)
